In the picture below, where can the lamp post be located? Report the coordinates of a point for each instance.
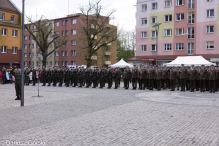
(22, 59)
(157, 29)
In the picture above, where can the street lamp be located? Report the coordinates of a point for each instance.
(22, 59)
(157, 29)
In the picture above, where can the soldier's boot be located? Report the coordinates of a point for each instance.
(18, 98)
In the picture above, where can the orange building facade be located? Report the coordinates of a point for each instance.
(10, 34)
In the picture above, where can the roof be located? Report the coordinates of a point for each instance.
(8, 5)
(189, 60)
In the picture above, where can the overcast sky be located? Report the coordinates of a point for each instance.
(124, 16)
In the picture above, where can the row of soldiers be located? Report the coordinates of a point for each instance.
(76, 77)
(187, 78)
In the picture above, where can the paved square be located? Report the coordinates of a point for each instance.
(81, 116)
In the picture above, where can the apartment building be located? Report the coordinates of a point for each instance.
(32, 56)
(68, 54)
(189, 27)
(10, 35)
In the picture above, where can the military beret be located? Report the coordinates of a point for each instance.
(216, 66)
(182, 64)
(202, 65)
(212, 65)
(192, 65)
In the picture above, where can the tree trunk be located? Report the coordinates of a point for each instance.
(89, 61)
(44, 61)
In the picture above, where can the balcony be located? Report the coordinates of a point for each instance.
(107, 53)
(94, 57)
(107, 62)
(109, 44)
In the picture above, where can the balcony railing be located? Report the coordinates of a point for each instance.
(107, 62)
(94, 57)
(107, 53)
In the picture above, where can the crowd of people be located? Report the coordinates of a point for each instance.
(199, 78)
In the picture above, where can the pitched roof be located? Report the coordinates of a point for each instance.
(8, 5)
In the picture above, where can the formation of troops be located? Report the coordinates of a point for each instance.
(200, 78)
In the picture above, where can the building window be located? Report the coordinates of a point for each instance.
(209, 45)
(191, 33)
(153, 47)
(144, 7)
(143, 48)
(63, 63)
(73, 42)
(154, 6)
(12, 18)
(25, 46)
(30, 55)
(25, 54)
(56, 63)
(179, 47)
(2, 16)
(153, 34)
(57, 54)
(74, 21)
(180, 2)
(66, 32)
(73, 53)
(56, 24)
(25, 63)
(63, 23)
(38, 54)
(66, 63)
(14, 33)
(66, 22)
(179, 31)
(179, 16)
(167, 47)
(63, 33)
(73, 63)
(144, 21)
(63, 53)
(190, 48)
(210, 29)
(167, 32)
(167, 18)
(153, 20)
(25, 38)
(66, 53)
(14, 50)
(168, 3)
(4, 32)
(4, 49)
(191, 4)
(210, 13)
(191, 18)
(143, 34)
(74, 32)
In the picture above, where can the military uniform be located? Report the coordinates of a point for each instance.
(74, 77)
(212, 76)
(116, 77)
(54, 75)
(95, 78)
(60, 76)
(43, 73)
(110, 78)
(33, 76)
(126, 77)
(67, 77)
(49, 76)
(134, 78)
(102, 77)
(26, 75)
(17, 76)
(165, 82)
(141, 74)
(158, 78)
(193, 74)
(203, 76)
(182, 76)
(173, 76)
(3, 76)
(151, 75)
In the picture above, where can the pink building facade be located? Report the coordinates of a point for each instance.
(189, 28)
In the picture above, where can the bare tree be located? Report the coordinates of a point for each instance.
(95, 32)
(43, 33)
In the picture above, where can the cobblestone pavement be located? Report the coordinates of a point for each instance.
(81, 116)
